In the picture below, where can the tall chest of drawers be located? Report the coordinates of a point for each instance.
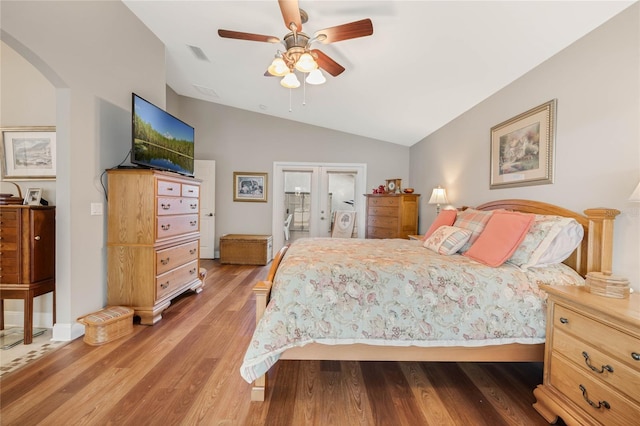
(153, 240)
(392, 215)
(27, 258)
(592, 359)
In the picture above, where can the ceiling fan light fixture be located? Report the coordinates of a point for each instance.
(278, 67)
(290, 81)
(306, 63)
(316, 77)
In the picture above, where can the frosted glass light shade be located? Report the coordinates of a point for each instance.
(316, 77)
(278, 67)
(290, 81)
(306, 63)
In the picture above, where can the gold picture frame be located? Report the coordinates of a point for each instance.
(250, 186)
(522, 148)
(28, 153)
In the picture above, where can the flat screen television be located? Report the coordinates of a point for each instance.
(160, 140)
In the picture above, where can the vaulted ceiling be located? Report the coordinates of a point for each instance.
(426, 63)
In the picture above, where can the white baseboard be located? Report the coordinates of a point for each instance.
(67, 332)
(16, 319)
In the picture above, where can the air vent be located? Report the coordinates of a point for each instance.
(206, 91)
(198, 53)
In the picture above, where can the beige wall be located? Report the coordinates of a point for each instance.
(597, 157)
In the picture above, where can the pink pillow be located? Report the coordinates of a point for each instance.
(500, 238)
(445, 218)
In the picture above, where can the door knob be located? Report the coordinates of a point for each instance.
(37, 238)
(210, 214)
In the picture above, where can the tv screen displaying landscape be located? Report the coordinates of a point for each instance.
(160, 140)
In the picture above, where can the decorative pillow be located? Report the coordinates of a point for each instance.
(447, 239)
(551, 239)
(474, 221)
(500, 238)
(445, 218)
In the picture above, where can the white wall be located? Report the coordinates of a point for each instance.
(597, 152)
(94, 54)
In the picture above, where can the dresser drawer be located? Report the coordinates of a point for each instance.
(8, 269)
(383, 202)
(583, 355)
(383, 222)
(176, 205)
(191, 191)
(175, 256)
(600, 336)
(175, 279)
(383, 212)
(375, 232)
(8, 218)
(170, 226)
(166, 187)
(581, 389)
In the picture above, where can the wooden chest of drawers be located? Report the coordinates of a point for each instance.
(153, 240)
(592, 359)
(392, 215)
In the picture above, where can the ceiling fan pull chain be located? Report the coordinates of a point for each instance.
(304, 91)
(290, 110)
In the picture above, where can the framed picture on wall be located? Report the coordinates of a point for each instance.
(28, 153)
(248, 186)
(522, 148)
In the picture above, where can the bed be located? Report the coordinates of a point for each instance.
(394, 300)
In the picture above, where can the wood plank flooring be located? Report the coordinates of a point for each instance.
(185, 371)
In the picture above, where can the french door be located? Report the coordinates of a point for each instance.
(310, 193)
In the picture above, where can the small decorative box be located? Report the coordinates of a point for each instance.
(605, 284)
(107, 324)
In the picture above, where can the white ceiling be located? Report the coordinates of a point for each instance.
(426, 63)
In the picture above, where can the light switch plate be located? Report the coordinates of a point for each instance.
(96, 209)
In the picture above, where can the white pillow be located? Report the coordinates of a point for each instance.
(447, 239)
(551, 239)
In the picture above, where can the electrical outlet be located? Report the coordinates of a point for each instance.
(96, 209)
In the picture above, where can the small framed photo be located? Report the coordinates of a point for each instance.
(33, 197)
(28, 153)
(249, 186)
(522, 148)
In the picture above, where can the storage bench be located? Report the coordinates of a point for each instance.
(107, 324)
(246, 249)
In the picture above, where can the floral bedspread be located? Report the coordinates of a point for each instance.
(396, 292)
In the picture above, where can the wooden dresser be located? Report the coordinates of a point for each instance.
(153, 240)
(592, 359)
(27, 258)
(392, 215)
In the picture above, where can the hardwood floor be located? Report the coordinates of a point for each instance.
(185, 370)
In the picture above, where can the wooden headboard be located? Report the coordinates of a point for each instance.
(595, 253)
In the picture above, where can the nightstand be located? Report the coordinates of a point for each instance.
(592, 359)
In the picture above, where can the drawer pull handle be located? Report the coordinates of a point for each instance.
(564, 320)
(193, 222)
(192, 251)
(164, 285)
(193, 206)
(164, 261)
(192, 271)
(600, 371)
(166, 227)
(37, 238)
(600, 404)
(635, 356)
(165, 206)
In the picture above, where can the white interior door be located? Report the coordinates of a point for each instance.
(205, 170)
(311, 198)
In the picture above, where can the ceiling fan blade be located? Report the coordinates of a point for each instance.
(247, 36)
(291, 14)
(348, 31)
(327, 64)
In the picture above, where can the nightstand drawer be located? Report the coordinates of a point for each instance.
(607, 368)
(597, 334)
(591, 395)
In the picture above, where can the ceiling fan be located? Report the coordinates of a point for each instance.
(298, 54)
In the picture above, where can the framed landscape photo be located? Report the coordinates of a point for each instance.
(249, 186)
(33, 197)
(522, 148)
(28, 153)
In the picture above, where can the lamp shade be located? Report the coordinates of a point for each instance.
(315, 77)
(635, 196)
(306, 63)
(278, 67)
(290, 81)
(438, 196)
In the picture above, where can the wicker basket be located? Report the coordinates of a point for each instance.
(107, 325)
(9, 199)
(605, 284)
